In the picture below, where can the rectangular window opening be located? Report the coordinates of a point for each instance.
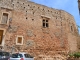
(45, 23)
(46, 20)
(19, 40)
(4, 18)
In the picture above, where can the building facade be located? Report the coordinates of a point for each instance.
(37, 29)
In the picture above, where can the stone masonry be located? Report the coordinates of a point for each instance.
(45, 33)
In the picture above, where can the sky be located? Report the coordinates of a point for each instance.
(70, 6)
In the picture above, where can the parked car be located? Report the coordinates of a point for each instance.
(21, 56)
(4, 55)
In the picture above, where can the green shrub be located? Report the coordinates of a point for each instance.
(71, 55)
(76, 55)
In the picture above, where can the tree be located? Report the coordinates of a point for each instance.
(78, 26)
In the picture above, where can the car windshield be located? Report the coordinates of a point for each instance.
(4, 54)
(17, 55)
(28, 56)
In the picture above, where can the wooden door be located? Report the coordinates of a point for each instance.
(1, 36)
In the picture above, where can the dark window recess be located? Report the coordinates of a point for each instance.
(46, 20)
(4, 18)
(45, 23)
(34, 6)
(24, 7)
(11, 0)
(43, 20)
(32, 19)
(26, 18)
(51, 11)
(13, 4)
(28, 5)
(71, 28)
(38, 7)
(17, 2)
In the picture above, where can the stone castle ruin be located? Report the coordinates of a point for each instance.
(45, 33)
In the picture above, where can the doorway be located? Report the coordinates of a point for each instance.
(1, 36)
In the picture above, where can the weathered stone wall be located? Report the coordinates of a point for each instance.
(25, 19)
(79, 42)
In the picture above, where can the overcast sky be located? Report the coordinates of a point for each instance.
(70, 6)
